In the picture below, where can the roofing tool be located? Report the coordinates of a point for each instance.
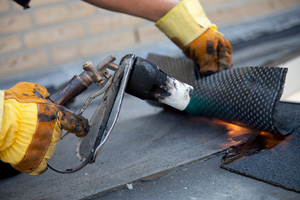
(133, 75)
(247, 96)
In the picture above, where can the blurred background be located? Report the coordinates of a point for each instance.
(53, 33)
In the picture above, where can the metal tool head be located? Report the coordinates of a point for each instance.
(106, 114)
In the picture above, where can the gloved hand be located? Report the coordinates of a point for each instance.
(31, 127)
(189, 28)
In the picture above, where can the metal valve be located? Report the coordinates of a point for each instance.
(79, 83)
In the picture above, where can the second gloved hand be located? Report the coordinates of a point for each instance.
(32, 125)
(211, 51)
(189, 28)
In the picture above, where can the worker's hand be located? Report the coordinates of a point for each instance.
(190, 29)
(211, 51)
(31, 127)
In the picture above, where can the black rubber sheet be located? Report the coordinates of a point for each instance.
(247, 96)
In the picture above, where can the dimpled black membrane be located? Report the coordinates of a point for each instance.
(278, 165)
(246, 96)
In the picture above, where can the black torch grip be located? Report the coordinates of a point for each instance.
(145, 79)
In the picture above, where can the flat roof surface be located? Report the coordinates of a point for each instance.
(148, 143)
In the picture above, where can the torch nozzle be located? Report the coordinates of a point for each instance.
(147, 81)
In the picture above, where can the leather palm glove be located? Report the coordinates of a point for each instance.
(189, 28)
(31, 126)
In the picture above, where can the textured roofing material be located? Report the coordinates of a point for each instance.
(278, 165)
(246, 95)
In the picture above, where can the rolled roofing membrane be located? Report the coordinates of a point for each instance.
(247, 96)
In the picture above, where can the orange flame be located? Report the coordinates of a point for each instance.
(272, 140)
(236, 134)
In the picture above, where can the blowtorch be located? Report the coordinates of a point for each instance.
(135, 76)
(247, 96)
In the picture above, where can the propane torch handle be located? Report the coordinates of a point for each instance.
(78, 84)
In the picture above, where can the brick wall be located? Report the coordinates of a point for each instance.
(57, 31)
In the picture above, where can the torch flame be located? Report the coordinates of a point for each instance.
(236, 134)
(272, 140)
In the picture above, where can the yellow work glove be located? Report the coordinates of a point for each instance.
(31, 127)
(189, 28)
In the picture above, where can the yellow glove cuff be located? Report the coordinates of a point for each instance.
(56, 137)
(1, 108)
(18, 127)
(185, 22)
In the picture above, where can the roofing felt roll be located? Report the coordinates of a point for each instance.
(248, 96)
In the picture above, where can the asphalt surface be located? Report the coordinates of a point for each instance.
(278, 165)
(201, 180)
(144, 144)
